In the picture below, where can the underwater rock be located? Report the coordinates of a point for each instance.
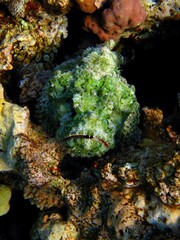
(6, 58)
(89, 108)
(31, 39)
(131, 207)
(44, 197)
(5, 196)
(25, 148)
(52, 226)
(90, 6)
(14, 120)
(132, 192)
(32, 77)
(115, 18)
(134, 18)
(20, 8)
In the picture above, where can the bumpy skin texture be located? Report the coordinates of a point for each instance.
(89, 104)
(118, 16)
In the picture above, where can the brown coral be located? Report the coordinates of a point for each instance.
(33, 77)
(5, 57)
(90, 5)
(34, 38)
(43, 197)
(153, 120)
(117, 17)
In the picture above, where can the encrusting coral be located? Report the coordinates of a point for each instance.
(89, 109)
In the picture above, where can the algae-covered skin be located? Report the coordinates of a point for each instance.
(88, 105)
(5, 196)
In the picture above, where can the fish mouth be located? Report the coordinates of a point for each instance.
(74, 136)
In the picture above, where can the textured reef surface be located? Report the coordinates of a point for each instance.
(81, 155)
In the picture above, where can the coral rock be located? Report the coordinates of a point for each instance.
(31, 39)
(90, 6)
(120, 15)
(51, 226)
(18, 120)
(25, 147)
(43, 197)
(20, 8)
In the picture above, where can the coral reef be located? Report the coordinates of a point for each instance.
(118, 16)
(52, 226)
(6, 58)
(21, 8)
(136, 19)
(116, 199)
(35, 37)
(129, 193)
(5, 196)
(32, 79)
(16, 7)
(90, 108)
(44, 197)
(91, 168)
(24, 146)
(90, 6)
(60, 5)
(29, 41)
(17, 124)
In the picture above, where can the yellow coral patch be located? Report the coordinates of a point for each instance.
(5, 196)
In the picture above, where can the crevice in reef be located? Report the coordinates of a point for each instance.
(17, 223)
(154, 69)
(71, 168)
